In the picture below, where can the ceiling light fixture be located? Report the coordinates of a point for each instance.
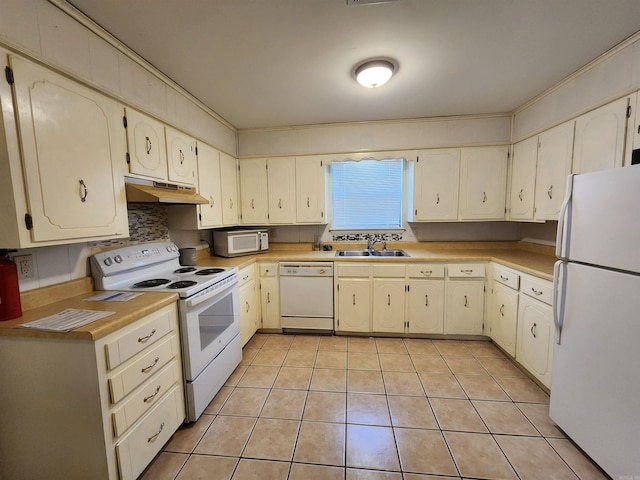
(374, 73)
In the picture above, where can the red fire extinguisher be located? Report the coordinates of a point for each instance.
(9, 288)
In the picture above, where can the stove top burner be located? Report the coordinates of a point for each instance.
(155, 282)
(185, 270)
(182, 284)
(210, 271)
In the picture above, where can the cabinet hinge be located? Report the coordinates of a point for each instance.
(508, 155)
(124, 121)
(407, 287)
(628, 111)
(417, 158)
(28, 221)
(200, 216)
(196, 151)
(128, 158)
(338, 287)
(8, 74)
(321, 214)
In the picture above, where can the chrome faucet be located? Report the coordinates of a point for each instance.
(372, 242)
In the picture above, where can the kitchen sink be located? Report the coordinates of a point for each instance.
(371, 253)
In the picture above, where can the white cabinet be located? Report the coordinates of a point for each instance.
(465, 299)
(270, 295)
(181, 157)
(253, 191)
(73, 162)
(229, 189)
(146, 148)
(523, 179)
(353, 294)
(425, 300)
(249, 304)
(388, 314)
(600, 138)
(281, 186)
(555, 148)
(504, 312)
(435, 188)
(632, 148)
(483, 183)
(78, 409)
(209, 215)
(310, 191)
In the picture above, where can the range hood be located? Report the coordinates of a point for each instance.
(141, 191)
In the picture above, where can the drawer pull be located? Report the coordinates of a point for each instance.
(245, 277)
(502, 310)
(152, 396)
(467, 271)
(466, 302)
(537, 292)
(155, 362)
(426, 273)
(533, 330)
(155, 435)
(147, 337)
(504, 279)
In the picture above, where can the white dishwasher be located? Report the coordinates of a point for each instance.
(306, 296)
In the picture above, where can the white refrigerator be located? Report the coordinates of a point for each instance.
(595, 382)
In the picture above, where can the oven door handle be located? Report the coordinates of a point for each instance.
(207, 295)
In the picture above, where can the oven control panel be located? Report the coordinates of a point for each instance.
(132, 256)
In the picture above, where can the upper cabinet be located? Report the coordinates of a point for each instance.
(229, 189)
(483, 183)
(436, 180)
(599, 138)
(254, 196)
(181, 157)
(71, 142)
(310, 191)
(523, 179)
(281, 187)
(209, 215)
(146, 149)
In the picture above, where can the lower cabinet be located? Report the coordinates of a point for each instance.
(389, 292)
(78, 409)
(249, 303)
(465, 299)
(269, 296)
(353, 294)
(503, 316)
(425, 299)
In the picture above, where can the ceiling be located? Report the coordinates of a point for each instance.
(272, 63)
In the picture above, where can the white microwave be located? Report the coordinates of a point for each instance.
(233, 243)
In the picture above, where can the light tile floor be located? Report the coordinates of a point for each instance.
(355, 408)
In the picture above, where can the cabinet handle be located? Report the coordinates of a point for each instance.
(484, 197)
(437, 198)
(550, 192)
(504, 279)
(181, 157)
(211, 202)
(520, 194)
(426, 300)
(388, 300)
(466, 302)
(354, 298)
(155, 362)
(308, 204)
(533, 330)
(247, 303)
(467, 272)
(245, 277)
(152, 396)
(230, 204)
(252, 203)
(148, 145)
(279, 203)
(537, 292)
(426, 273)
(83, 191)
(155, 435)
(502, 310)
(147, 337)
(268, 297)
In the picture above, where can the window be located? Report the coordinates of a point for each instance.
(367, 194)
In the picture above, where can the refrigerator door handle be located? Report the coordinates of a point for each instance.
(561, 218)
(558, 283)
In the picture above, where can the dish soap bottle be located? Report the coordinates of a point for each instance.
(10, 306)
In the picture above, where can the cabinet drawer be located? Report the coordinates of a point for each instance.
(466, 270)
(268, 269)
(396, 271)
(353, 270)
(140, 445)
(145, 398)
(246, 275)
(506, 277)
(425, 271)
(537, 288)
(140, 370)
(133, 341)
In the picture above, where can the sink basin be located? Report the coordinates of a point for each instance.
(371, 253)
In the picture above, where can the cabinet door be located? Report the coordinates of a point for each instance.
(504, 317)
(633, 135)
(71, 142)
(535, 338)
(229, 189)
(388, 305)
(599, 139)
(555, 148)
(523, 179)
(483, 183)
(248, 311)
(146, 146)
(353, 305)
(436, 182)
(270, 296)
(425, 312)
(310, 196)
(253, 191)
(209, 186)
(181, 157)
(281, 181)
(465, 307)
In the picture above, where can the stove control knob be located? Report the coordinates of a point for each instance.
(108, 262)
(118, 259)
(170, 248)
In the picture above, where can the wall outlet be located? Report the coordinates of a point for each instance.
(25, 266)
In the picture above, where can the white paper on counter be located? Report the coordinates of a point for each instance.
(113, 297)
(66, 320)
